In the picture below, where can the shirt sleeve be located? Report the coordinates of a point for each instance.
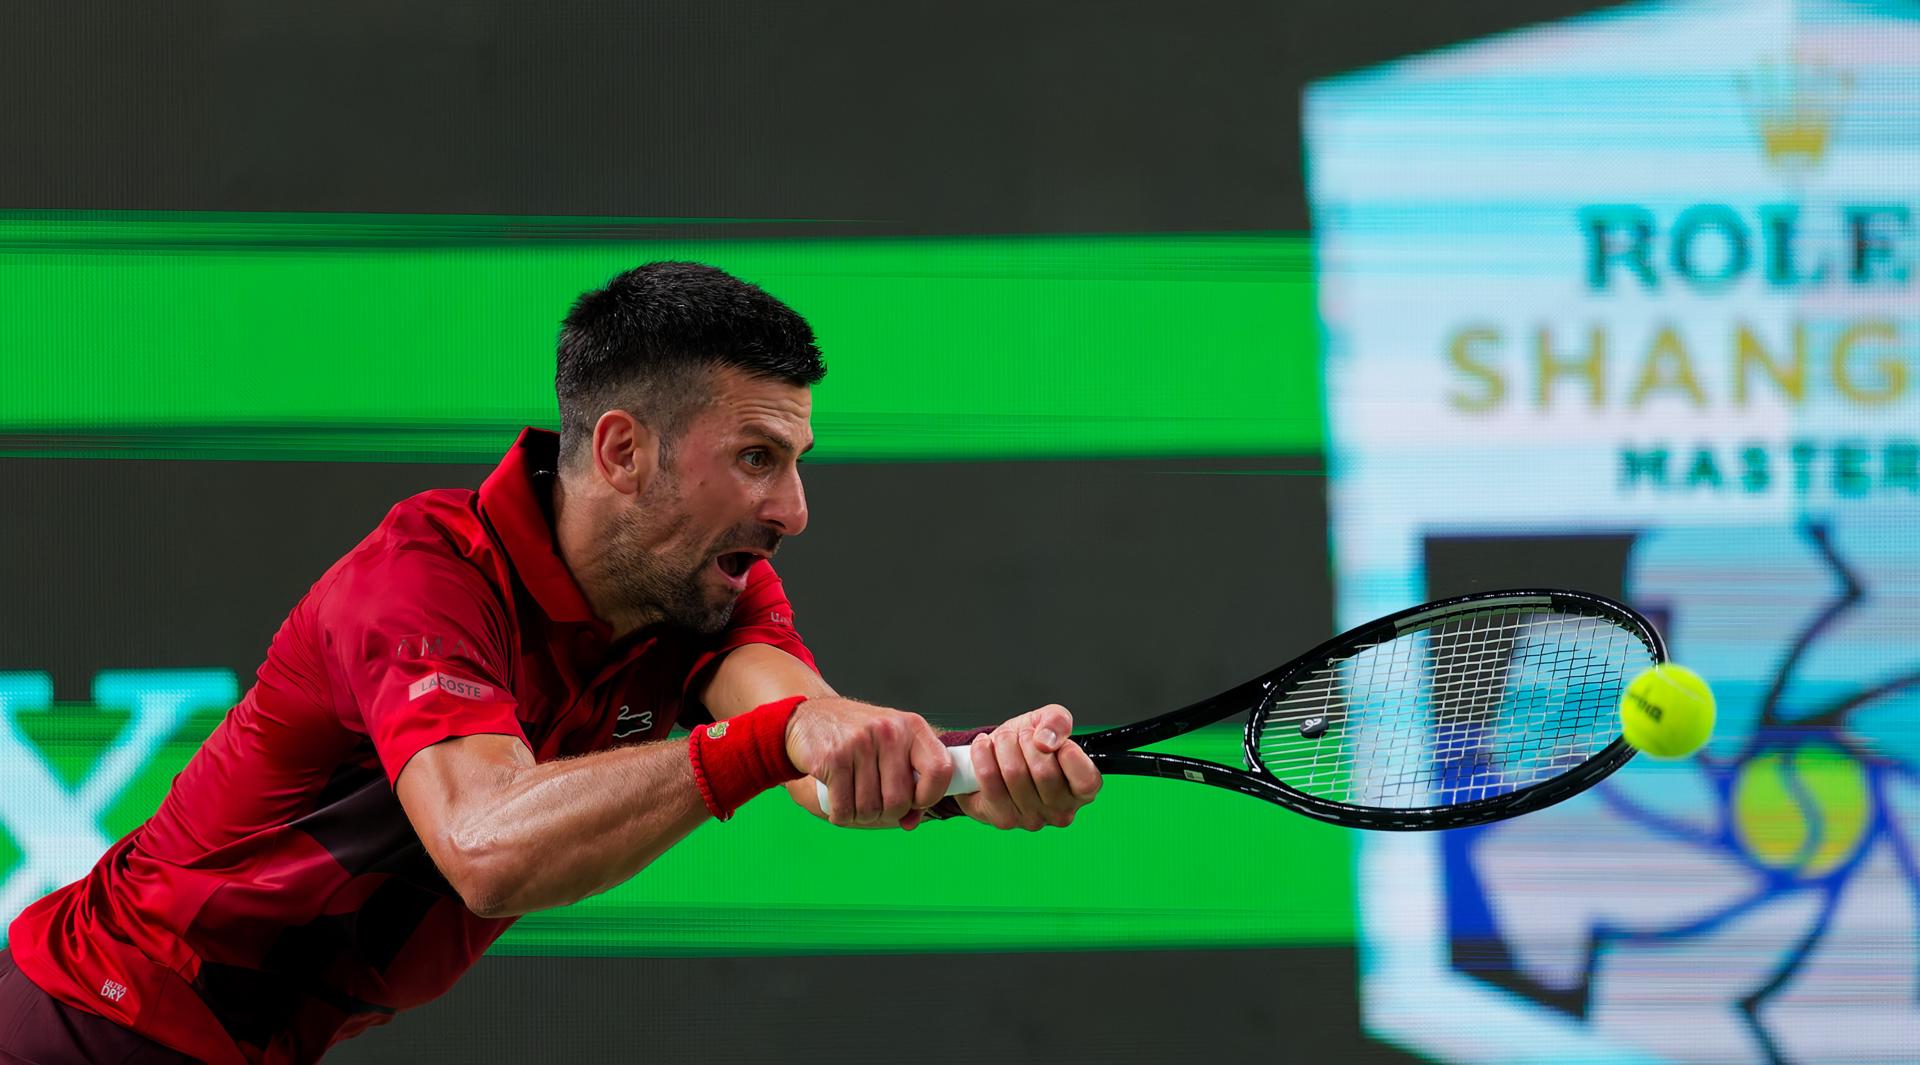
(762, 615)
(418, 651)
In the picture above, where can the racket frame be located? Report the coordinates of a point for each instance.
(1115, 750)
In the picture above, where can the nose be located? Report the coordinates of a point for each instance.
(786, 507)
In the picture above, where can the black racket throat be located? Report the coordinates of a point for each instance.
(1457, 712)
(1233, 702)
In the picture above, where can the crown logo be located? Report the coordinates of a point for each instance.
(1794, 104)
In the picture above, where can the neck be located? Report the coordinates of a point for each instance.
(581, 533)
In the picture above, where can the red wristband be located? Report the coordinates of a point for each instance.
(736, 759)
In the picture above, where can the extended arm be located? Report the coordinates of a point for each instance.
(512, 836)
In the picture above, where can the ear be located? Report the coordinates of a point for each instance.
(626, 452)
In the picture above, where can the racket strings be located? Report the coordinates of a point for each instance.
(1471, 707)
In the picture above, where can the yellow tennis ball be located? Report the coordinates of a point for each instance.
(1667, 711)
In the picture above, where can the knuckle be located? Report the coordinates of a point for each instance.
(986, 768)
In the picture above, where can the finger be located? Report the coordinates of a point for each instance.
(1052, 724)
(933, 763)
(896, 777)
(993, 790)
(1056, 799)
(867, 796)
(1019, 780)
(840, 791)
(1083, 777)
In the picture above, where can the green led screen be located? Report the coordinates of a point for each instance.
(334, 338)
(358, 337)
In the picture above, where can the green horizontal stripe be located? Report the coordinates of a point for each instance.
(1151, 863)
(430, 337)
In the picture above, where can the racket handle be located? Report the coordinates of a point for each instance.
(964, 782)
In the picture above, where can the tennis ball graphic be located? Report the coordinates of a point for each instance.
(1805, 809)
(1667, 711)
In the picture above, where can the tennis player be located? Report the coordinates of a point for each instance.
(467, 718)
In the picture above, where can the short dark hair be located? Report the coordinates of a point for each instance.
(651, 339)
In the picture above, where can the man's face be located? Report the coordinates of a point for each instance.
(725, 496)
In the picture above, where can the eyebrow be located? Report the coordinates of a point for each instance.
(775, 438)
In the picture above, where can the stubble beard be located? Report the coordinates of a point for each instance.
(669, 587)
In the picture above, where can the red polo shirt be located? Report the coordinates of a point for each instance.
(279, 900)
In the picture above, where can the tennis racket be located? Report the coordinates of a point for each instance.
(1457, 712)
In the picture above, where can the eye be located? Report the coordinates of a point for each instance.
(756, 458)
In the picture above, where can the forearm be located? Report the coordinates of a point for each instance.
(569, 829)
(564, 830)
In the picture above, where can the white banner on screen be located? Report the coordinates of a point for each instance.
(1652, 273)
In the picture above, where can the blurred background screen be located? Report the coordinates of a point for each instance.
(1163, 341)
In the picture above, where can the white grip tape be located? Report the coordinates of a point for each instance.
(965, 781)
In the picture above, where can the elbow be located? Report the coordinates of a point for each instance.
(489, 900)
(486, 880)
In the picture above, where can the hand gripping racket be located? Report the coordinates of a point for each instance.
(1458, 712)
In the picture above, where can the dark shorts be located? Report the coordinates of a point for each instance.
(38, 1029)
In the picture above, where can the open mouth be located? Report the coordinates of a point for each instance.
(736, 563)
